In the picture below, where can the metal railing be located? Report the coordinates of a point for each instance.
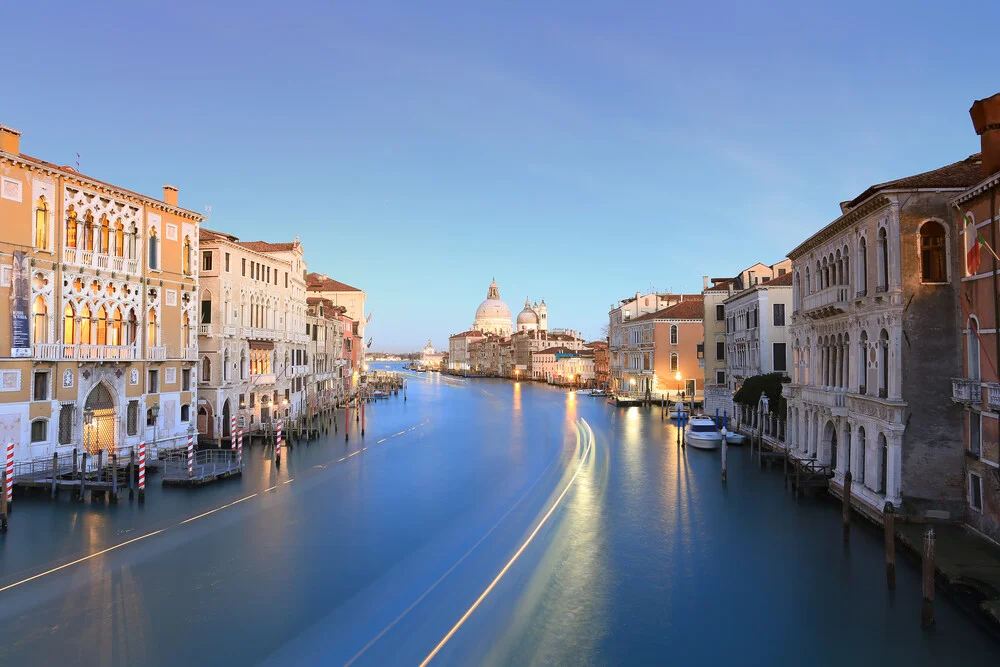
(206, 463)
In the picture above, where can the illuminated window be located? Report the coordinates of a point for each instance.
(40, 320)
(41, 223)
(153, 254)
(69, 324)
(71, 227)
(932, 253)
(151, 327)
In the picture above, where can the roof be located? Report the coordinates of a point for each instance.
(205, 234)
(689, 309)
(597, 345)
(467, 334)
(780, 281)
(264, 246)
(955, 175)
(556, 350)
(320, 282)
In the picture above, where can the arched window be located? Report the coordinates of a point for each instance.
(133, 328)
(86, 326)
(153, 249)
(862, 266)
(673, 361)
(862, 451)
(69, 325)
(105, 234)
(206, 370)
(883, 364)
(185, 413)
(151, 327)
(673, 334)
(40, 320)
(226, 369)
(119, 239)
(826, 274)
(41, 223)
(820, 284)
(132, 235)
(89, 230)
(839, 280)
(933, 268)
(883, 463)
(185, 330)
(808, 284)
(883, 260)
(243, 364)
(847, 360)
(71, 227)
(972, 341)
(863, 363)
(102, 326)
(39, 430)
(187, 255)
(116, 328)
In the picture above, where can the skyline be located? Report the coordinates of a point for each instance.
(518, 143)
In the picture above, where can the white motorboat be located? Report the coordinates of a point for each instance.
(702, 433)
(583, 392)
(679, 410)
(734, 438)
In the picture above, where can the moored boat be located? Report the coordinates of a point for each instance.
(734, 438)
(702, 433)
(679, 410)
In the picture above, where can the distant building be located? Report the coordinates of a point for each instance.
(618, 345)
(430, 358)
(492, 315)
(458, 350)
(659, 350)
(757, 322)
(602, 365)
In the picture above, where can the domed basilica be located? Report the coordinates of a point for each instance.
(493, 315)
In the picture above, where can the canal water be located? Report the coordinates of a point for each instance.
(477, 522)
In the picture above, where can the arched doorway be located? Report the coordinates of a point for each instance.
(226, 417)
(101, 431)
(206, 425)
(830, 442)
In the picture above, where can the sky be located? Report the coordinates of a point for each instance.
(577, 151)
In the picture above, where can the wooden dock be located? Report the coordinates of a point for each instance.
(208, 465)
(103, 477)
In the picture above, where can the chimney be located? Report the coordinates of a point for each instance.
(986, 120)
(10, 140)
(170, 195)
(704, 282)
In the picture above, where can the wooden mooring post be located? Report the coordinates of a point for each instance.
(889, 523)
(927, 612)
(55, 470)
(846, 517)
(114, 479)
(131, 475)
(725, 447)
(83, 477)
(3, 500)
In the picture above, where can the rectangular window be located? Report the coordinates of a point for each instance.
(253, 400)
(720, 377)
(66, 424)
(206, 260)
(286, 279)
(132, 423)
(976, 433)
(779, 362)
(782, 272)
(779, 314)
(720, 350)
(241, 403)
(206, 311)
(975, 490)
(186, 379)
(243, 261)
(253, 270)
(720, 313)
(40, 386)
(39, 430)
(227, 262)
(268, 279)
(153, 382)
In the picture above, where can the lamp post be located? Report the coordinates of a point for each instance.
(155, 412)
(88, 421)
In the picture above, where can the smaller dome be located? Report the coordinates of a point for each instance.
(527, 316)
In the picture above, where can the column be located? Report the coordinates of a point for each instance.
(893, 461)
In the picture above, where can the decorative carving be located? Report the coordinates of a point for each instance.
(133, 376)
(67, 379)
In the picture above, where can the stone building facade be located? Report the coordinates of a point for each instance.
(874, 339)
(756, 322)
(98, 293)
(660, 350)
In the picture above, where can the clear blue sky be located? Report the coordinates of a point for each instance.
(578, 151)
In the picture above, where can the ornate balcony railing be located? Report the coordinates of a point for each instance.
(262, 379)
(966, 391)
(191, 353)
(156, 352)
(100, 260)
(205, 330)
(230, 331)
(47, 351)
(832, 298)
(993, 396)
(102, 352)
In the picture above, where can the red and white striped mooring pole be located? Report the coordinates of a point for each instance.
(277, 445)
(232, 433)
(191, 454)
(142, 472)
(9, 484)
(239, 448)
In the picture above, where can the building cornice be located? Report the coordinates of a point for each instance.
(977, 189)
(219, 242)
(100, 186)
(874, 203)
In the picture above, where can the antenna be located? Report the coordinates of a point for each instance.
(208, 212)
(77, 162)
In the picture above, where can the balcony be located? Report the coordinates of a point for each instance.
(101, 352)
(98, 260)
(47, 351)
(262, 379)
(229, 331)
(156, 353)
(835, 399)
(967, 391)
(190, 354)
(205, 330)
(993, 396)
(259, 333)
(826, 302)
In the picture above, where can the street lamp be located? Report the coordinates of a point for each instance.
(155, 412)
(88, 421)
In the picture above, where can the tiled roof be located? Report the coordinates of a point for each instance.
(318, 282)
(205, 234)
(780, 281)
(467, 334)
(690, 308)
(264, 246)
(597, 345)
(956, 175)
(556, 350)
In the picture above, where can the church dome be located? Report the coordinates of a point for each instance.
(493, 315)
(527, 316)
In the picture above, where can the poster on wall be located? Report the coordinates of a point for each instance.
(20, 335)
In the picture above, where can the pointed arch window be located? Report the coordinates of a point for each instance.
(132, 329)
(187, 255)
(863, 266)
(673, 361)
(102, 326)
(932, 253)
(89, 231)
(132, 234)
(883, 364)
(862, 451)
(119, 239)
(41, 223)
(71, 227)
(86, 325)
(105, 235)
(185, 330)
(151, 327)
(40, 320)
(206, 370)
(153, 249)
(973, 348)
(69, 325)
(115, 331)
(883, 261)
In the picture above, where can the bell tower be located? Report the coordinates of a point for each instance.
(543, 317)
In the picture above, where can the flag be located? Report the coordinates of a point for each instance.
(972, 258)
(369, 319)
(369, 343)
